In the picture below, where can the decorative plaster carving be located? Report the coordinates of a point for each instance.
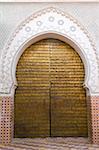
(50, 21)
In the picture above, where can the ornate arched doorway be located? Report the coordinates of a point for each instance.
(50, 99)
(47, 23)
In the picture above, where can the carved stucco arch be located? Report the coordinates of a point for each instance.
(49, 22)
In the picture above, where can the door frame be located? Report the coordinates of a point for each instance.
(47, 23)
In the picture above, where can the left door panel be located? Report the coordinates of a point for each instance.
(32, 94)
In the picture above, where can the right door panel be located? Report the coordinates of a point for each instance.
(68, 98)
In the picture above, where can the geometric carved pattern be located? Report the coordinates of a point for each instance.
(6, 120)
(95, 118)
(50, 22)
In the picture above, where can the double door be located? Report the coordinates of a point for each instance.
(50, 99)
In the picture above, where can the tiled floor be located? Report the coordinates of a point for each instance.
(50, 144)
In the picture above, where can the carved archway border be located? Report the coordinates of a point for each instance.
(49, 22)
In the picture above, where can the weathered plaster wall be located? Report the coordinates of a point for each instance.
(11, 14)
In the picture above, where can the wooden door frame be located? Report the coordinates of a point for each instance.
(47, 23)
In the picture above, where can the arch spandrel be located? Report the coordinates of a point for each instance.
(50, 22)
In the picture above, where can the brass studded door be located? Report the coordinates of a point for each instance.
(50, 99)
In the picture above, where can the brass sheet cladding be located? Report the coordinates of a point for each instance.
(50, 99)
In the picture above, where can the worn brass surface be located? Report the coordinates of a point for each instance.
(32, 94)
(50, 99)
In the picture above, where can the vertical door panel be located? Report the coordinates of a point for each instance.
(32, 94)
(68, 99)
